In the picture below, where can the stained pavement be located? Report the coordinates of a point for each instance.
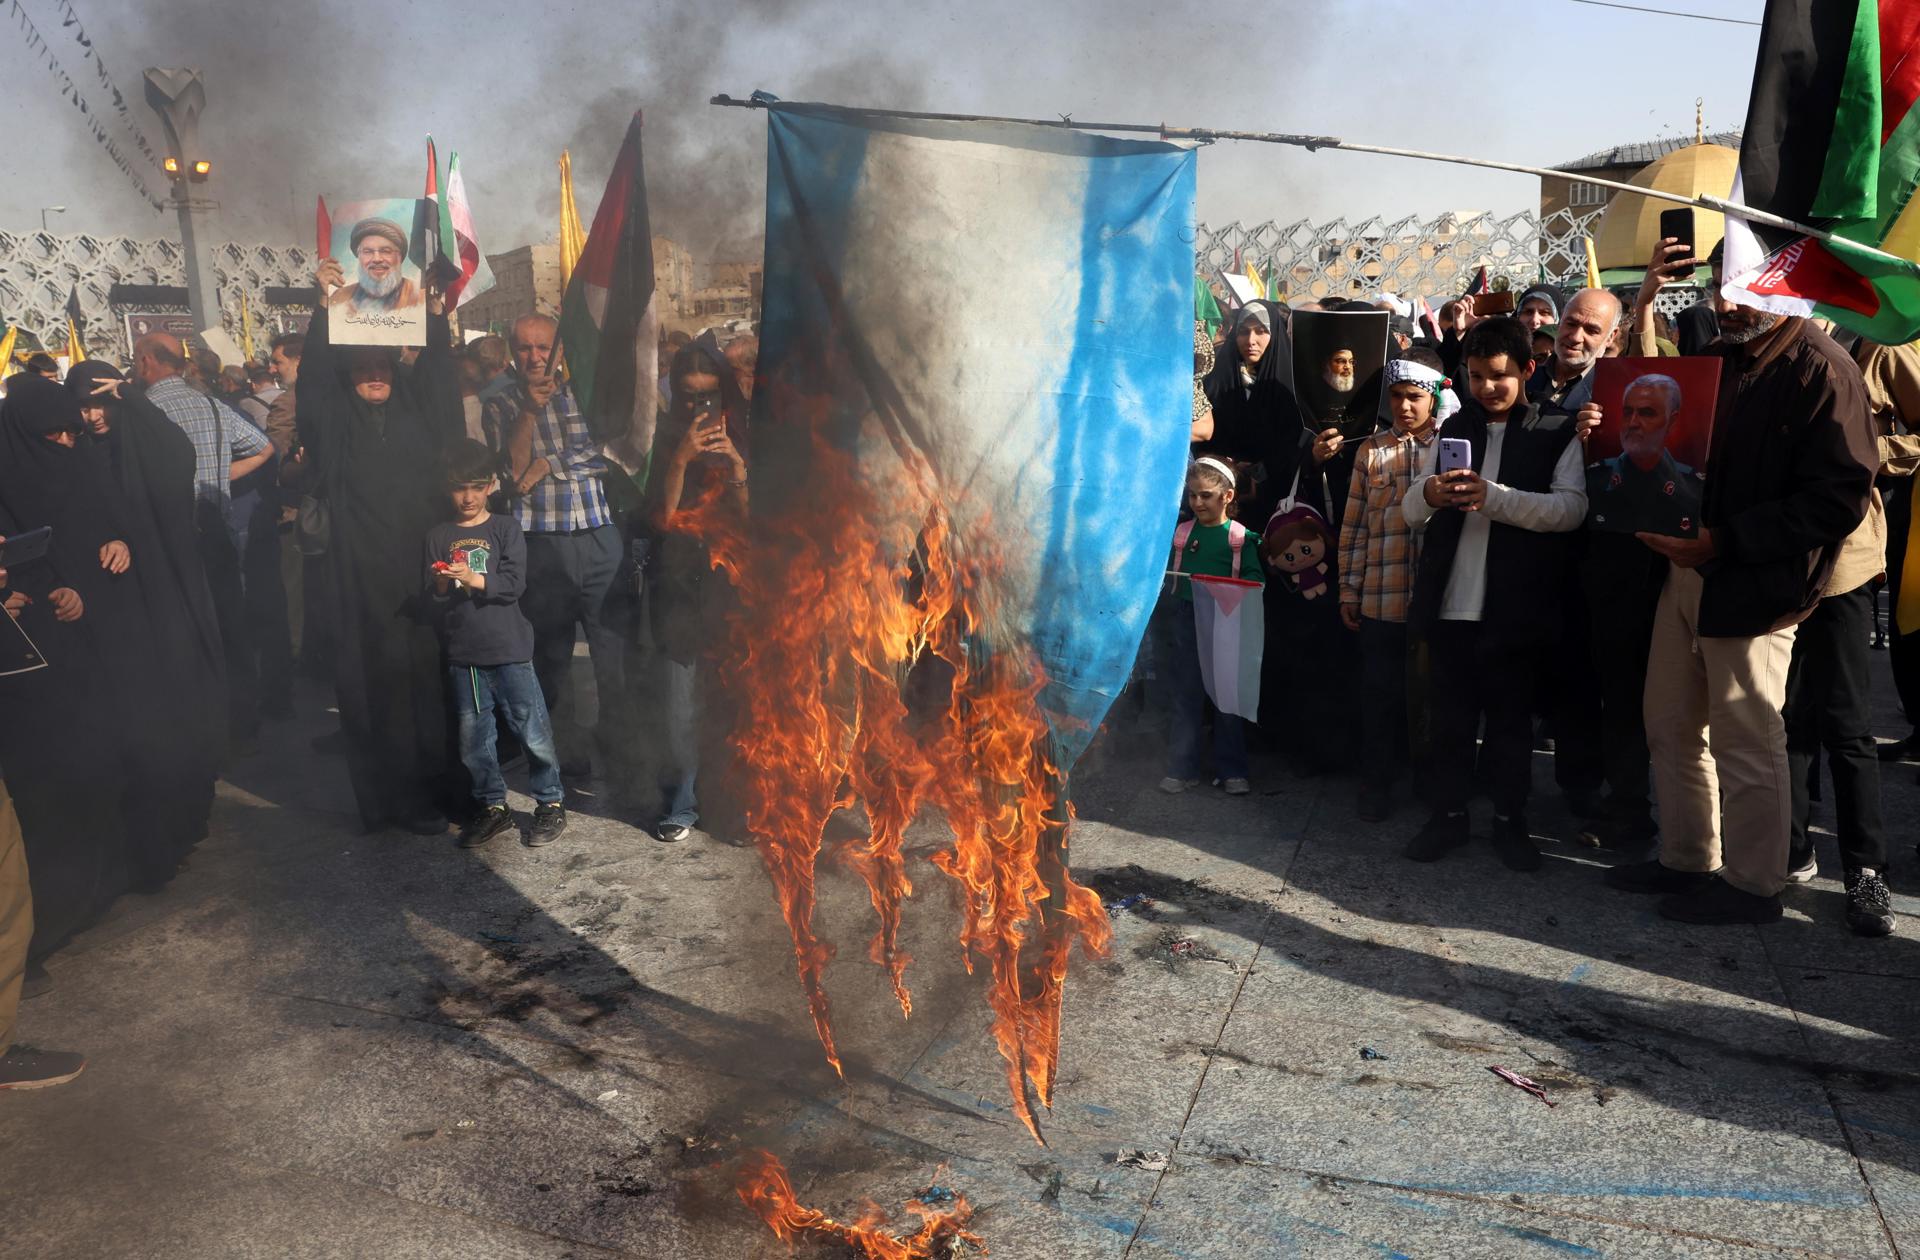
(317, 1043)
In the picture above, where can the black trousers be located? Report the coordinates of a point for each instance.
(220, 556)
(1623, 578)
(1830, 705)
(1477, 675)
(1573, 703)
(569, 580)
(1393, 701)
(266, 595)
(1903, 650)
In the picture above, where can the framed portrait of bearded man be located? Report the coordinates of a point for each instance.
(1646, 463)
(381, 303)
(1338, 357)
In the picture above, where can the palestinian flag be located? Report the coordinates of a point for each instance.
(1833, 141)
(607, 321)
(432, 248)
(1479, 284)
(476, 277)
(1229, 621)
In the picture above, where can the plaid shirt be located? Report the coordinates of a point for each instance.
(1378, 552)
(573, 496)
(219, 434)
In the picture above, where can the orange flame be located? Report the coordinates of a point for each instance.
(839, 597)
(763, 1186)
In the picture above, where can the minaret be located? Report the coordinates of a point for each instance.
(1699, 120)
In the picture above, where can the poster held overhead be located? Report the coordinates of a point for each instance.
(1338, 357)
(381, 303)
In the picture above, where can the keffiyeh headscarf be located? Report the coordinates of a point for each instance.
(1445, 402)
(1202, 364)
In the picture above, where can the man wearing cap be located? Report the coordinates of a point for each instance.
(379, 247)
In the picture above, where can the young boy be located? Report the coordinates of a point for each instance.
(477, 569)
(1378, 554)
(1486, 595)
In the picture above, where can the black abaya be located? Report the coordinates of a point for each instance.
(379, 471)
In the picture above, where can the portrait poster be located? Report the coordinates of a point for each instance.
(381, 302)
(1647, 460)
(1338, 358)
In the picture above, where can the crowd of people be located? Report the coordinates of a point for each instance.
(433, 531)
(429, 530)
(1686, 683)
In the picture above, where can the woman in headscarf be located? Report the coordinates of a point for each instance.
(62, 738)
(374, 432)
(177, 735)
(1256, 418)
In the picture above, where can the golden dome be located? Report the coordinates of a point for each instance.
(1631, 224)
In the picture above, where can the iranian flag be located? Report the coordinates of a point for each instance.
(1229, 618)
(607, 321)
(475, 276)
(1833, 141)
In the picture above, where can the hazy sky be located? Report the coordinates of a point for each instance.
(335, 98)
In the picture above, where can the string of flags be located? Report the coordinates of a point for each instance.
(70, 20)
(70, 92)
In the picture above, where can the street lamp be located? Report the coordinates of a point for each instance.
(47, 210)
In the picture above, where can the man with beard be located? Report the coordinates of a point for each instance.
(379, 247)
(1644, 487)
(1789, 479)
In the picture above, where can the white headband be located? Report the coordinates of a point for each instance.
(1220, 466)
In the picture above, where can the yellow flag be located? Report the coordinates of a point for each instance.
(573, 238)
(76, 353)
(6, 350)
(1253, 278)
(246, 328)
(1593, 266)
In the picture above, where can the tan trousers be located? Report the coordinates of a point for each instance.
(1713, 725)
(16, 916)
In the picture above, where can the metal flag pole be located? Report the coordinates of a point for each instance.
(1207, 135)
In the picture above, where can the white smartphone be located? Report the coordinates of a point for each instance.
(1455, 453)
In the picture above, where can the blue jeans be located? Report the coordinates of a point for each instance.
(682, 763)
(513, 691)
(1189, 695)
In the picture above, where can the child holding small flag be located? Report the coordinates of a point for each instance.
(1216, 632)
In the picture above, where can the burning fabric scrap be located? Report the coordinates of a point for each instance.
(763, 1185)
(956, 494)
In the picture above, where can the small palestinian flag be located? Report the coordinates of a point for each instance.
(607, 321)
(1479, 284)
(1833, 141)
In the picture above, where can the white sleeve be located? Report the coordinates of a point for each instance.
(1414, 509)
(1558, 511)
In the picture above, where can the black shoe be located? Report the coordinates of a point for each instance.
(1900, 750)
(1513, 844)
(1719, 904)
(36, 981)
(491, 821)
(671, 833)
(1586, 803)
(23, 1067)
(1373, 803)
(427, 824)
(1869, 904)
(1442, 833)
(332, 744)
(1651, 876)
(549, 820)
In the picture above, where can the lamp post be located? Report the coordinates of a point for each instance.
(179, 96)
(47, 210)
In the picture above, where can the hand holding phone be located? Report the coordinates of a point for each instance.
(1455, 453)
(20, 548)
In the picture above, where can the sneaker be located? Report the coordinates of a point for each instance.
(1719, 904)
(1441, 834)
(549, 820)
(1513, 843)
(1869, 904)
(1173, 787)
(492, 821)
(23, 1067)
(1900, 750)
(1651, 876)
(1802, 867)
(672, 833)
(1236, 787)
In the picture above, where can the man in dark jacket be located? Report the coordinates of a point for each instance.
(1788, 478)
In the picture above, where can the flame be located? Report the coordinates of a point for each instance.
(839, 596)
(763, 1186)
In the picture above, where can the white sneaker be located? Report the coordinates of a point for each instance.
(1804, 873)
(1173, 787)
(1236, 787)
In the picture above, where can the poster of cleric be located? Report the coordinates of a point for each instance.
(381, 302)
(1648, 458)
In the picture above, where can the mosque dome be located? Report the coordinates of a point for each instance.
(1631, 224)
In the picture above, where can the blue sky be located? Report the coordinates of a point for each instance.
(335, 98)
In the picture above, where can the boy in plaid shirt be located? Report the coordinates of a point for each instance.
(1378, 554)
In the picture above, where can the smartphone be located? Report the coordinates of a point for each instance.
(1494, 302)
(1455, 453)
(20, 548)
(1678, 223)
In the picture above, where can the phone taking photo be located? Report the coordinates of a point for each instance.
(1455, 453)
(23, 547)
(1678, 223)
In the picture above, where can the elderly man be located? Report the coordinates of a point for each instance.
(556, 482)
(1645, 487)
(225, 448)
(1790, 478)
(379, 247)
